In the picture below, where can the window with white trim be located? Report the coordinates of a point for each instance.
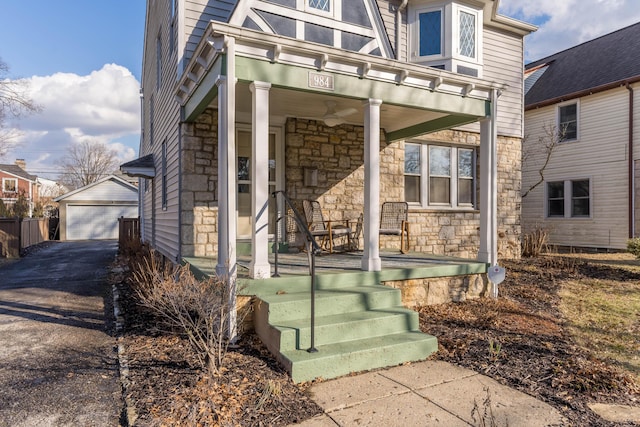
(447, 36)
(569, 199)
(440, 175)
(320, 5)
(10, 185)
(568, 122)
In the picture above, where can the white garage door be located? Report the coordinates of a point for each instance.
(96, 222)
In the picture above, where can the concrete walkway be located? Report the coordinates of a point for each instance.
(425, 394)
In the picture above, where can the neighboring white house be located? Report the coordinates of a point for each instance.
(92, 212)
(589, 192)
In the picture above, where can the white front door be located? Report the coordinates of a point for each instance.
(243, 153)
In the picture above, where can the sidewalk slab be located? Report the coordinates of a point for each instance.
(426, 393)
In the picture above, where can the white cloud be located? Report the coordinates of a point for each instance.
(103, 106)
(566, 23)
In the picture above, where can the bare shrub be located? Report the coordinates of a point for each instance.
(197, 308)
(534, 243)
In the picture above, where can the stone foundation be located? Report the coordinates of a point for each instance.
(439, 290)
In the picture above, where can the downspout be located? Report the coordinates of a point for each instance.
(402, 6)
(632, 219)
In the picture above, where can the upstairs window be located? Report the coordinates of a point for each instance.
(430, 33)
(467, 29)
(568, 122)
(9, 185)
(447, 36)
(320, 5)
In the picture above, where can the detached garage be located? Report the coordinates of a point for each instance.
(92, 212)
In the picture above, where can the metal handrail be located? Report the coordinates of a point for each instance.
(312, 250)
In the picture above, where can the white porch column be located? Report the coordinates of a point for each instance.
(226, 267)
(489, 186)
(260, 267)
(371, 256)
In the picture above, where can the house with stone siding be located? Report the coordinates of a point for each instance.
(350, 104)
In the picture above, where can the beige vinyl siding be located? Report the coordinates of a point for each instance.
(197, 14)
(503, 62)
(600, 154)
(166, 119)
(388, 13)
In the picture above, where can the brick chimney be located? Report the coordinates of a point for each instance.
(21, 164)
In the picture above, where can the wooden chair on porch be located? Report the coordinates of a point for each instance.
(327, 231)
(394, 222)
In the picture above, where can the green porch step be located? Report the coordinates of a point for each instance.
(334, 360)
(356, 328)
(296, 334)
(297, 305)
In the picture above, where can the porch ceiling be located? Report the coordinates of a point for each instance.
(289, 103)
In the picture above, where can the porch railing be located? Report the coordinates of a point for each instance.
(312, 249)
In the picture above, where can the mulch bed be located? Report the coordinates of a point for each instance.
(168, 387)
(518, 339)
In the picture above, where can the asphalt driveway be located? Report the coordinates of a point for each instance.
(58, 355)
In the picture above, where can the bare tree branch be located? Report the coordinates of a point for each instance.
(14, 103)
(86, 163)
(546, 143)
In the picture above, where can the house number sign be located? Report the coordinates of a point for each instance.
(320, 81)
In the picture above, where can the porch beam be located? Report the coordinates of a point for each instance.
(206, 91)
(371, 255)
(259, 267)
(441, 123)
(297, 78)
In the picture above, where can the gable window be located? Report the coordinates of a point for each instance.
(10, 185)
(568, 122)
(321, 5)
(569, 199)
(439, 176)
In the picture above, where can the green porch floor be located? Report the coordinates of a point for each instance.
(338, 269)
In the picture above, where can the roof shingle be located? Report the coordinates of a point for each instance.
(612, 58)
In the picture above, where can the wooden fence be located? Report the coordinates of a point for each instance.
(17, 234)
(128, 231)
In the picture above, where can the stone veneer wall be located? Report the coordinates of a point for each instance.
(199, 186)
(337, 154)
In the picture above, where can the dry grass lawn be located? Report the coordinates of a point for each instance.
(603, 313)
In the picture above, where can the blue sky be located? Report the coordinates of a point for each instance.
(83, 60)
(42, 37)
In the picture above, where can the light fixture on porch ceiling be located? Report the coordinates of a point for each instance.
(332, 117)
